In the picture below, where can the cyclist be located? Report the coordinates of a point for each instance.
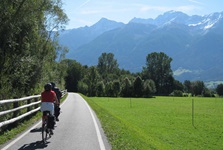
(47, 100)
(58, 94)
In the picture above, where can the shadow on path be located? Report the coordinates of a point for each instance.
(36, 130)
(34, 145)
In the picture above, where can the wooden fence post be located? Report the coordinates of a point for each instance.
(28, 102)
(15, 113)
(193, 112)
(36, 100)
(15, 105)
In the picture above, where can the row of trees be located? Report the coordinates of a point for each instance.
(28, 46)
(106, 79)
(219, 89)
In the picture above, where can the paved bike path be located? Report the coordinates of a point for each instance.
(78, 129)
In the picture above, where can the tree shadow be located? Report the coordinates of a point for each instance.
(34, 145)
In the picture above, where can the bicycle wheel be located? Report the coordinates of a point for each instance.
(45, 132)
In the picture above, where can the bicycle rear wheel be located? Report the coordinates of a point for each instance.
(45, 132)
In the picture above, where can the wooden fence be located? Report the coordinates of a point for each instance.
(32, 104)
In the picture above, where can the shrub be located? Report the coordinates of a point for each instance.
(177, 93)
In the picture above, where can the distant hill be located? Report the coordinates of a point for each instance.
(75, 38)
(194, 42)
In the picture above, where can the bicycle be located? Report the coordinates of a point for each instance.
(46, 132)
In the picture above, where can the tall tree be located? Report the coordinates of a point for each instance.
(138, 86)
(126, 88)
(198, 88)
(73, 74)
(187, 86)
(109, 89)
(27, 53)
(100, 88)
(107, 64)
(158, 69)
(178, 85)
(219, 89)
(93, 78)
(149, 88)
(116, 88)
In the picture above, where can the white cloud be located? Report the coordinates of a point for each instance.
(88, 12)
(185, 8)
(84, 3)
(180, 71)
(149, 8)
(195, 1)
(102, 11)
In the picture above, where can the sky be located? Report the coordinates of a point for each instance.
(88, 12)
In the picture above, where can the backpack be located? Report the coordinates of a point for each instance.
(51, 122)
(58, 92)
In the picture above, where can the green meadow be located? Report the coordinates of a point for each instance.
(161, 122)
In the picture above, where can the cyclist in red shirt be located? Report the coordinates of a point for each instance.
(47, 99)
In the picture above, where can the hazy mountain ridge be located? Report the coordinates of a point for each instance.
(194, 43)
(75, 38)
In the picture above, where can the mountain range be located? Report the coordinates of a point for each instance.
(195, 43)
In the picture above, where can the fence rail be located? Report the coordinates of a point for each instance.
(17, 108)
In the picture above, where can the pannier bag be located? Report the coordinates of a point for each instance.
(51, 122)
(57, 111)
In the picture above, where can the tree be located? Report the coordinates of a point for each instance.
(168, 86)
(100, 88)
(93, 78)
(73, 75)
(107, 64)
(219, 89)
(116, 88)
(177, 93)
(158, 69)
(208, 93)
(109, 89)
(149, 88)
(27, 53)
(187, 86)
(198, 88)
(82, 87)
(177, 85)
(138, 86)
(126, 88)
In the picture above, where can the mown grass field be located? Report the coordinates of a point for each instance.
(161, 123)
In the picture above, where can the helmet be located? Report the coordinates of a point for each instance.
(48, 87)
(53, 84)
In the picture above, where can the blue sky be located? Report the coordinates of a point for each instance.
(88, 12)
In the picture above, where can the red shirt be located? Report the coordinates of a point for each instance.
(48, 96)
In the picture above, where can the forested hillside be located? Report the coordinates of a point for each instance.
(28, 49)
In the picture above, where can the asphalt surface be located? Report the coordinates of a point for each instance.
(78, 129)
